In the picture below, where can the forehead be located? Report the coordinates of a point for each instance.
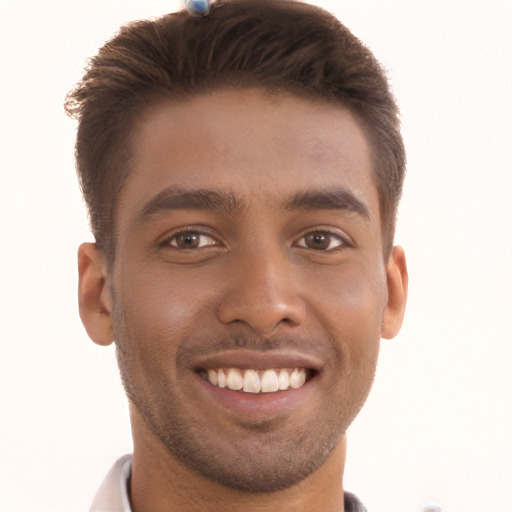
(258, 146)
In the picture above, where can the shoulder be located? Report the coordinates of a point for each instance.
(112, 496)
(352, 503)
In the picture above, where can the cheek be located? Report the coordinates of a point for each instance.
(160, 310)
(350, 304)
(158, 298)
(355, 288)
(150, 315)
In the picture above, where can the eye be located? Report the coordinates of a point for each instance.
(321, 241)
(190, 240)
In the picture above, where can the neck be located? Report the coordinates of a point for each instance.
(161, 483)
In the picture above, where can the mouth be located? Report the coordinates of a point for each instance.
(257, 381)
(255, 387)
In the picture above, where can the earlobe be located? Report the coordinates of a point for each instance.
(94, 297)
(398, 280)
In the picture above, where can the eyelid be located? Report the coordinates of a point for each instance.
(167, 239)
(345, 240)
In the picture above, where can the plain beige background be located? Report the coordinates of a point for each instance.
(437, 424)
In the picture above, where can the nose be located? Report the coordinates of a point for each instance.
(261, 292)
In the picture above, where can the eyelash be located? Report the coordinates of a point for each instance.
(341, 240)
(190, 232)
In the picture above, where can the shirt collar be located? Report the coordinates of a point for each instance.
(112, 496)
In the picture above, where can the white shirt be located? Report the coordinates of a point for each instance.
(112, 496)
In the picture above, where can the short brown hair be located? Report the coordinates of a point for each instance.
(279, 45)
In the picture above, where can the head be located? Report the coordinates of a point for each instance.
(242, 173)
(284, 46)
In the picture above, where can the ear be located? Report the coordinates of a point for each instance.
(94, 297)
(398, 281)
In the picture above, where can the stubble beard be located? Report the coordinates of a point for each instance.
(259, 458)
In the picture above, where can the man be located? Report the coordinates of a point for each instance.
(242, 166)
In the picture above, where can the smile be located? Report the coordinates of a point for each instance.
(256, 381)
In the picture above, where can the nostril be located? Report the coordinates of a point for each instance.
(261, 308)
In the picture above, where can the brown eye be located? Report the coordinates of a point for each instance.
(321, 241)
(191, 240)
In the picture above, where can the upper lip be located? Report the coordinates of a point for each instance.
(250, 359)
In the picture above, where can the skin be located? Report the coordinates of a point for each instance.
(277, 265)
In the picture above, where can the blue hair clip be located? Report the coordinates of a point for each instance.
(198, 8)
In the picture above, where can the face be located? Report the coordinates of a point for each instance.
(249, 290)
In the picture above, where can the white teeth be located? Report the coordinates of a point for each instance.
(221, 379)
(234, 379)
(257, 381)
(269, 382)
(297, 378)
(212, 377)
(251, 382)
(283, 380)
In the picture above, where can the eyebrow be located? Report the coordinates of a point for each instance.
(199, 199)
(225, 202)
(336, 199)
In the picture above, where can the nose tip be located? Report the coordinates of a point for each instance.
(263, 318)
(263, 303)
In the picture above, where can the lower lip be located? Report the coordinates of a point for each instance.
(258, 405)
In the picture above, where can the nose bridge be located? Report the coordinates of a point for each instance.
(262, 292)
